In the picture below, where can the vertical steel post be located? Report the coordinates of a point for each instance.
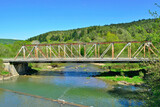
(130, 51)
(47, 51)
(112, 50)
(24, 54)
(36, 52)
(95, 50)
(59, 51)
(149, 50)
(84, 50)
(71, 51)
(64, 51)
(144, 50)
(79, 50)
(50, 52)
(98, 51)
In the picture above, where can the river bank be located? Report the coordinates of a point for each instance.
(123, 77)
(4, 75)
(123, 74)
(117, 73)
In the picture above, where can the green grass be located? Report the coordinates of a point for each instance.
(87, 77)
(135, 79)
(4, 73)
(38, 69)
(124, 67)
(85, 70)
(81, 66)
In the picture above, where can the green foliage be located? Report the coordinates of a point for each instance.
(124, 67)
(135, 79)
(122, 74)
(2, 72)
(57, 64)
(10, 50)
(141, 74)
(1, 64)
(110, 37)
(152, 85)
(8, 41)
(142, 30)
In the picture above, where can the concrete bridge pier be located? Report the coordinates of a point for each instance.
(16, 68)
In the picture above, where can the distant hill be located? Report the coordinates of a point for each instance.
(8, 41)
(142, 30)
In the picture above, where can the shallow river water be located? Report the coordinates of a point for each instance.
(75, 84)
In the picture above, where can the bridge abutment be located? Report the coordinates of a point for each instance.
(16, 68)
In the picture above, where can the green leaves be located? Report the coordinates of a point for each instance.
(142, 30)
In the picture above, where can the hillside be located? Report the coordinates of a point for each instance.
(8, 41)
(142, 30)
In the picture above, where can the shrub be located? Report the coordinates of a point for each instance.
(141, 74)
(152, 85)
(122, 74)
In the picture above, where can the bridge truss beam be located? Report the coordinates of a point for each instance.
(88, 50)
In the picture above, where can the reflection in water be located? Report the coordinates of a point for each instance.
(75, 84)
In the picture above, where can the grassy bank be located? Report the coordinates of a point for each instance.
(117, 67)
(46, 66)
(136, 80)
(2, 71)
(127, 74)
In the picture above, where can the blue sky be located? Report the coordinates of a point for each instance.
(21, 19)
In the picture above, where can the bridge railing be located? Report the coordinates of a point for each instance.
(114, 50)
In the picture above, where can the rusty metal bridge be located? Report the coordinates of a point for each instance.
(96, 52)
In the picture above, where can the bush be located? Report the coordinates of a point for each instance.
(141, 74)
(2, 71)
(122, 74)
(152, 85)
(54, 64)
(1, 65)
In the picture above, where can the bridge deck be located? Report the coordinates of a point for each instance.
(78, 60)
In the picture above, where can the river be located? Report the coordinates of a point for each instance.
(75, 84)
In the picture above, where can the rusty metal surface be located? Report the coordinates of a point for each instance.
(89, 43)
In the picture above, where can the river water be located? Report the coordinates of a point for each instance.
(75, 84)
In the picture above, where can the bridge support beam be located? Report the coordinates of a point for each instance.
(16, 68)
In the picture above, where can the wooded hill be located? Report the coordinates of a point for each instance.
(142, 30)
(8, 41)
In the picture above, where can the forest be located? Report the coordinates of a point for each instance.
(8, 41)
(142, 30)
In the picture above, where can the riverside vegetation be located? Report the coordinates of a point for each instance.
(2, 71)
(124, 73)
